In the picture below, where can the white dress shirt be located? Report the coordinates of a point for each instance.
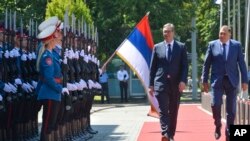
(122, 75)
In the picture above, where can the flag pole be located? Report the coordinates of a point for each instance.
(109, 59)
(112, 56)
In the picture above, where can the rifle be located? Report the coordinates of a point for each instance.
(67, 99)
(65, 67)
(34, 75)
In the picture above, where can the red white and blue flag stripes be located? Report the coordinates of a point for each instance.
(136, 51)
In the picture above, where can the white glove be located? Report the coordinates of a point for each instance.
(83, 83)
(30, 85)
(74, 87)
(71, 54)
(86, 58)
(11, 54)
(89, 57)
(26, 88)
(24, 57)
(65, 60)
(66, 53)
(6, 54)
(98, 85)
(70, 87)
(91, 84)
(34, 84)
(7, 88)
(76, 55)
(18, 81)
(30, 88)
(13, 88)
(16, 53)
(82, 53)
(30, 56)
(79, 86)
(33, 55)
(65, 90)
(1, 54)
(1, 98)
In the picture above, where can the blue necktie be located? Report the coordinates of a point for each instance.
(169, 52)
(224, 52)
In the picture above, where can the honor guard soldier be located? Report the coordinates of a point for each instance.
(3, 115)
(49, 93)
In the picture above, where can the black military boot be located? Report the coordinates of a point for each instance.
(91, 131)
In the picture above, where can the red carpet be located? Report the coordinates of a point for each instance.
(193, 125)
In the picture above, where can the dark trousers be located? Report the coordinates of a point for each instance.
(123, 90)
(231, 96)
(249, 88)
(50, 113)
(105, 92)
(169, 100)
(89, 104)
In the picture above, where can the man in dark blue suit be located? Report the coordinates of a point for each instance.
(224, 56)
(168, 78)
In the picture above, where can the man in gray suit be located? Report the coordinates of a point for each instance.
(224, 56)
(168, 78)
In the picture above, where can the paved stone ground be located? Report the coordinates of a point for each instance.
(123, 121)
(119, 121)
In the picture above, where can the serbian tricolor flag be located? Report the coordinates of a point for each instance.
(136, 51)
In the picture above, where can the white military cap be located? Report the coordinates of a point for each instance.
(50, 21)
(47, 33)
(59, 25)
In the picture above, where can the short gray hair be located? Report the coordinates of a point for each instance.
(169, 25)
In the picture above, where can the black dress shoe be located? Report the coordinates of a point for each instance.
(217, 133)
(163, 138)
(91, 131)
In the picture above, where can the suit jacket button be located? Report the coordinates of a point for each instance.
(168, 76)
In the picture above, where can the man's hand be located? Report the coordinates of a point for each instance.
(151, 90)
(244, 86)
(182, 86)
(205, 87)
